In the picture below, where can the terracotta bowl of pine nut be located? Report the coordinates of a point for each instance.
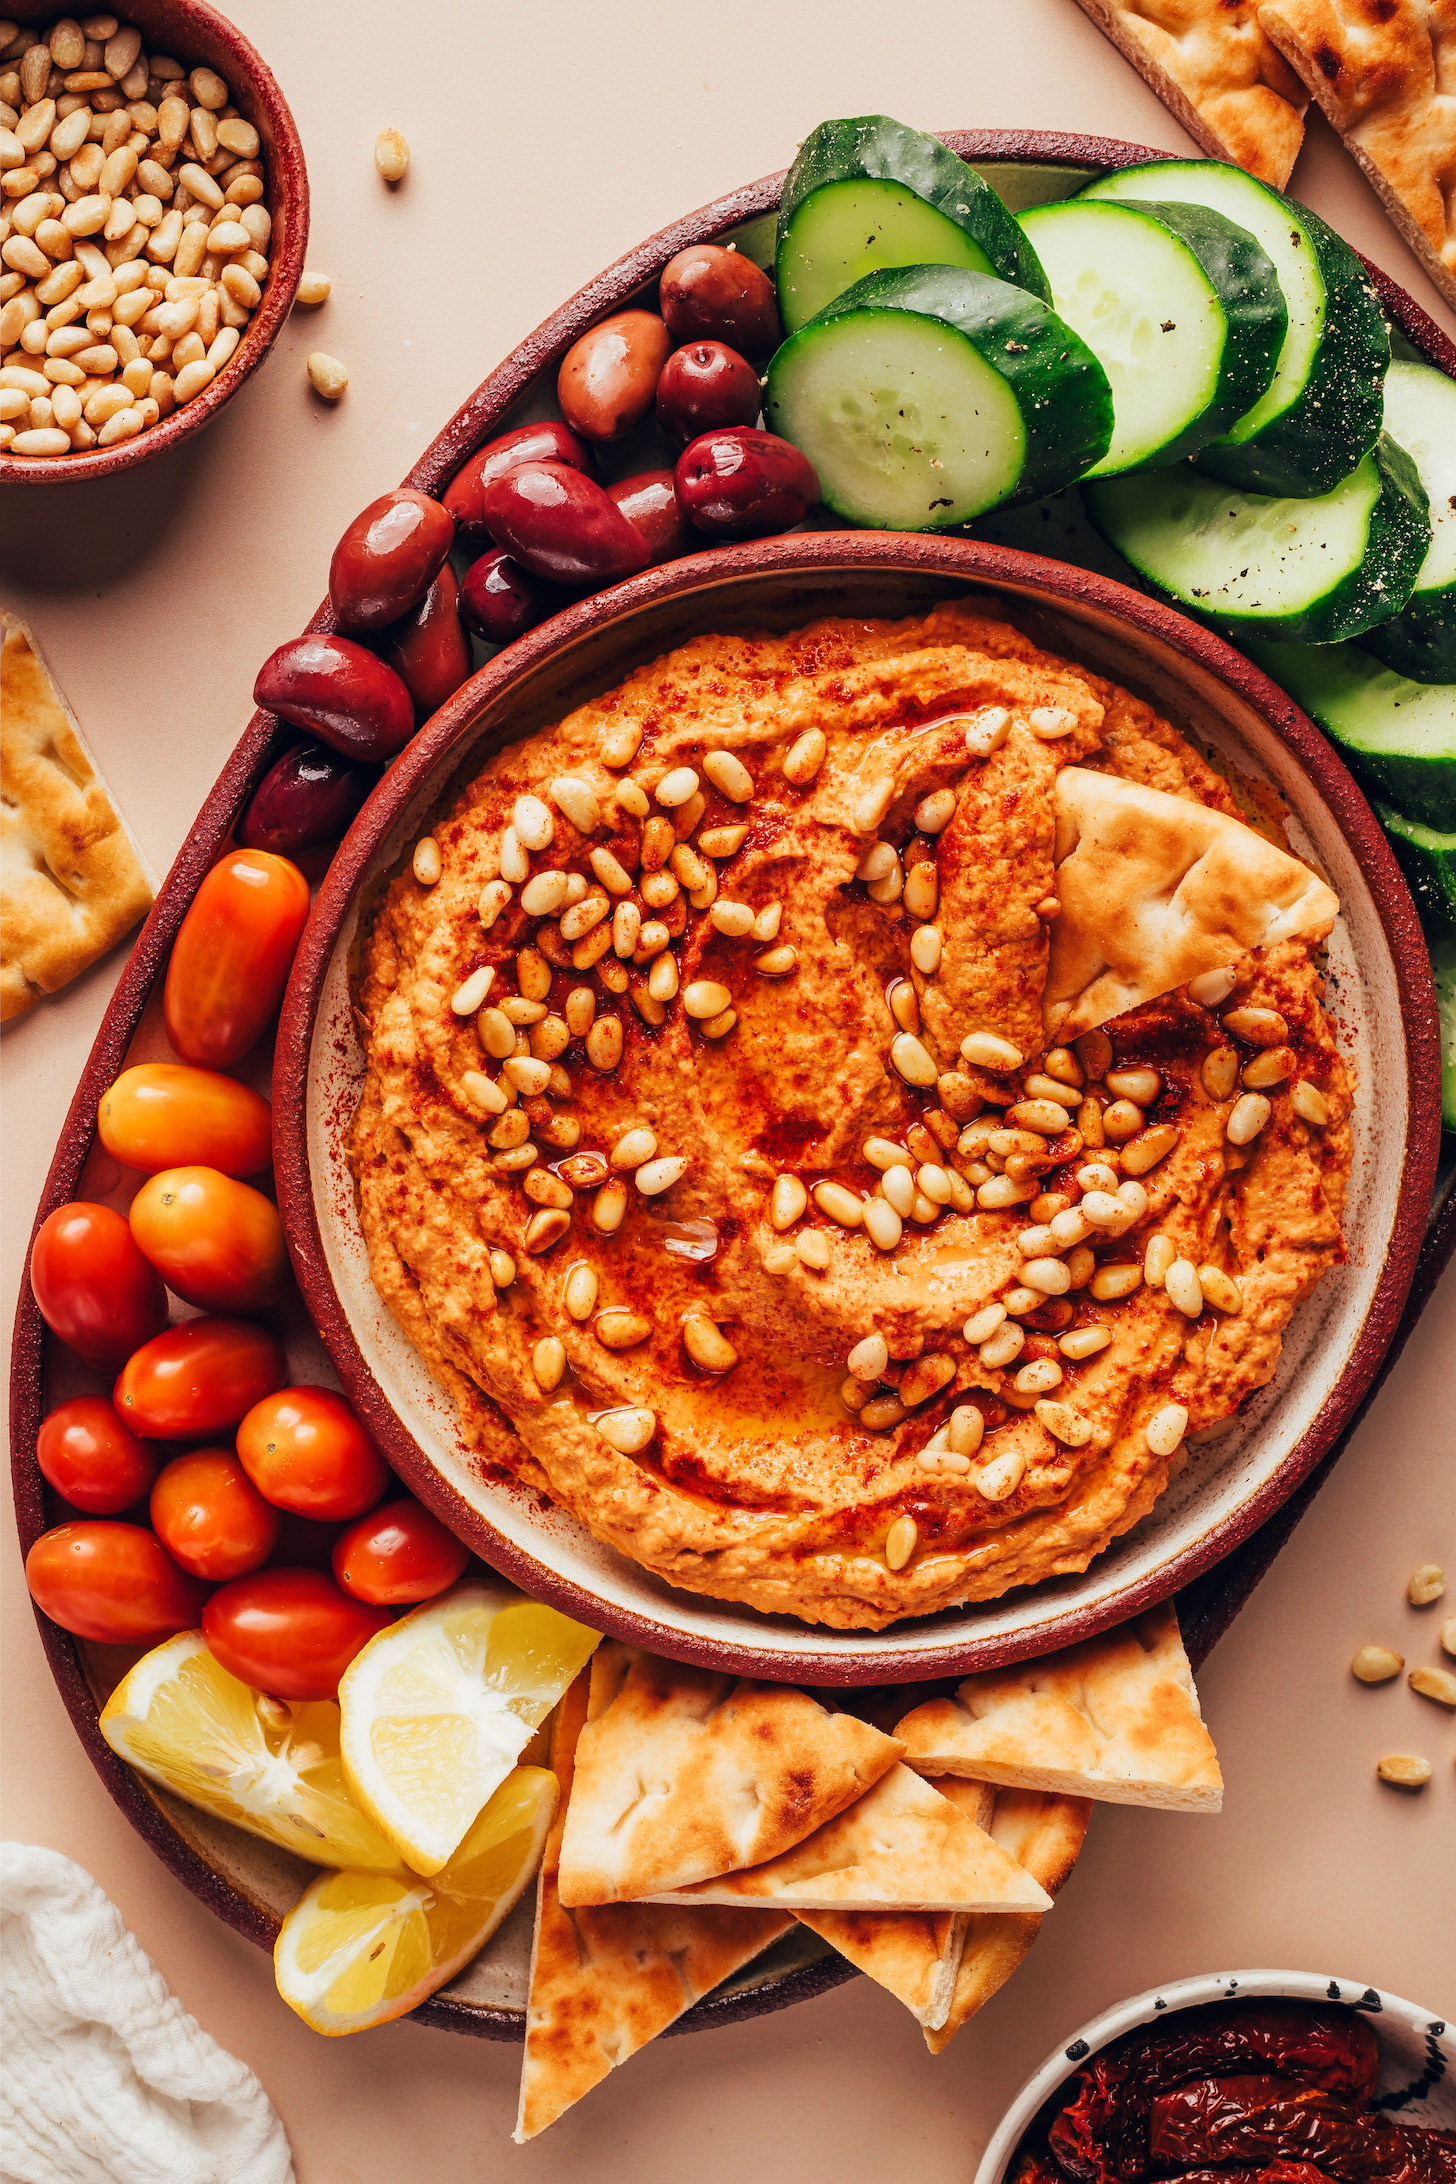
(1239, 1472)
(153, 222)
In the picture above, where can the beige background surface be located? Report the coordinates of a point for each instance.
(546, 141)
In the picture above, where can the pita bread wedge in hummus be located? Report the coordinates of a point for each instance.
(687, 1774)
(763, 1109)
(604, 1982)
(1115, 1718)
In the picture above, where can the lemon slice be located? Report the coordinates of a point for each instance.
(180, 1719)
(360, 1948)
(438, 1708)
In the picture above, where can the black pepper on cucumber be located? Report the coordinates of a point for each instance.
(1427, 857)
(1310, 571)
(1182, 309)
(1420, 415)
(1321, 411)
(1397, 736)
(926, 395)
(868, 194)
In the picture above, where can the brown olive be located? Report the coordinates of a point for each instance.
(743, 483)
(386, 559)
(608, 378)
(705, 385)
(500, 600)
(712, 294)
(562, 526)
(429, 650)
(649, 501)
(548, 442)
(341, 692)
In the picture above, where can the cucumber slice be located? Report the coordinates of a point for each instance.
(867, 195)
(1311, 570)
(1420, 416)
(1320, 413)
(1181, 307)
(1398, 737)
(923, 396)
(1427, 857)
(1443, 964)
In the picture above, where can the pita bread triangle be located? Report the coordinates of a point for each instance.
(1114, 1718)
(901, 1847)
(686, 1774)
(1155, 889)
(605, 1982)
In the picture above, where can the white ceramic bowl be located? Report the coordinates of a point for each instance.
(1417, 2048)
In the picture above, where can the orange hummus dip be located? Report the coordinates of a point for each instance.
(711, 1153)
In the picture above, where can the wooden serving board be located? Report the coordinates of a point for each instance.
(242, 1879)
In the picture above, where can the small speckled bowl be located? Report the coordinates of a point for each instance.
(197, 35)
(1417, 2049)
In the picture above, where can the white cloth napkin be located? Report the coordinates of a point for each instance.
(107, 2079)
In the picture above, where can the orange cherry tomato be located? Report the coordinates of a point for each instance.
(164, 1115)
(210, 1517)
(231, 959)
(199, 1378)
(289, 1632)
(305, 1450)
(217, 1242)
(93, 1459)
(94, 1288)
(398, 1553)
(115, 1583)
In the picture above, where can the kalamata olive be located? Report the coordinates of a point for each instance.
(307, 796)
(743, 483)
(339, 691)
(608, 378)
(429, 650)
(712, 294)
(704, 386)
(650, 502)
(548, 442)
(561, 525)
(386, 558)
(500, 600)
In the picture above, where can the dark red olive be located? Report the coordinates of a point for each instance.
(650, 502)
(337, 690)
(307, 796)
(500, 600)
(386, 558)
(705, 386)
(561, 525)
(744, 484)
(712, 294)
(548, 442)
(429, 650)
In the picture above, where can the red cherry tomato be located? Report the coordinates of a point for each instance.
(217, 1242)
(94, 1288)
(199, 1378)
(210, 1517)
(398, 1553)
(289, 1632)
(93, 1459)
(163, 1115)
(305, 1450)
(115, 1583)
(231, 959)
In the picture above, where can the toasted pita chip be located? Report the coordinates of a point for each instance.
(1155, 889)
(1042, 1833)
(686, 1774)
(72, 878)
(605, 1982)
(914, 1955)
(902, 1847)
(1216, 71)
(1113, 1718)
(1383, 75)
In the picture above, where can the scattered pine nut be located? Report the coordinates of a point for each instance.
(1375, 1664)
(313, 288)
(1409, 1770)
(391, 155)
(1426, 1584)
(327, 375)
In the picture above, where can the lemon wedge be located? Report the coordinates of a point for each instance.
(360, 1948)
(438, 1708)
(180, 1719)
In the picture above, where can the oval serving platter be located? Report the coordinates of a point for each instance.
(239, 1877)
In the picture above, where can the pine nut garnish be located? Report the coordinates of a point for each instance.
(705, 998)
(965, 1429)
(883, 1224)
(912, 1060)
(868, 1359)
(1247, 1118)
(1084, 1342)
(1210, 987)
(1049, 1276)
(922, 890)
(805, 756)
(877, 862)
(728, 774)
(900, 1542)
(997, 1480)
(812, 1248)
(1376, 1664)
(1274, 1066)
(1166, 1428)
(1097, 1176)
(787, 1202)
(1121, 1121)
(1408, 1769)
(619, 1329)
(526, 1073)
(546, 1228)
(934, 1183)
(573, 798)
(1220, 1072)
(1309, 1103)
(707, 1345)
(987, 1051)
(425, 863)
(1110, 1283)
(1000, 1348)
(542, 896)
(1105, 1211)
(1035, 1086)
(766, 921)
(1045, 1117)
(628, 1431)
(1434, 1683)
(633, 1147)
(1037, 1377)
(658, 1176)
(722, 841)
(731, 918)
(1139, 1085)
(609, 1208)
(1426, 1584)
(1257, 1027)
(482, 1092)
(1220, 1290)
(839, 1203)
(1068, 1228)
(1020, 1301)
(925, 950)
(982, 1325)
(1062, 1064)
(925, 1377)
(1049, 721)
(885, 1153)
(621, 745)
(1144, 1151)
(604, 1043)
(1160, 1253)
(493, 899)
(718, 1027)
(1094, 1051)
(776, 962)
(391, 155)
(986, 731)
(471, 992)
(883, 1412)
(676, 787)
(502, 1269)
(609, 871)
(579, 1293)
(1063, 1423)
(1003, 1191)
(548, 1362)
(1183, 1288)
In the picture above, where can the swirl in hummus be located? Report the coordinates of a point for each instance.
(714, 1154)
